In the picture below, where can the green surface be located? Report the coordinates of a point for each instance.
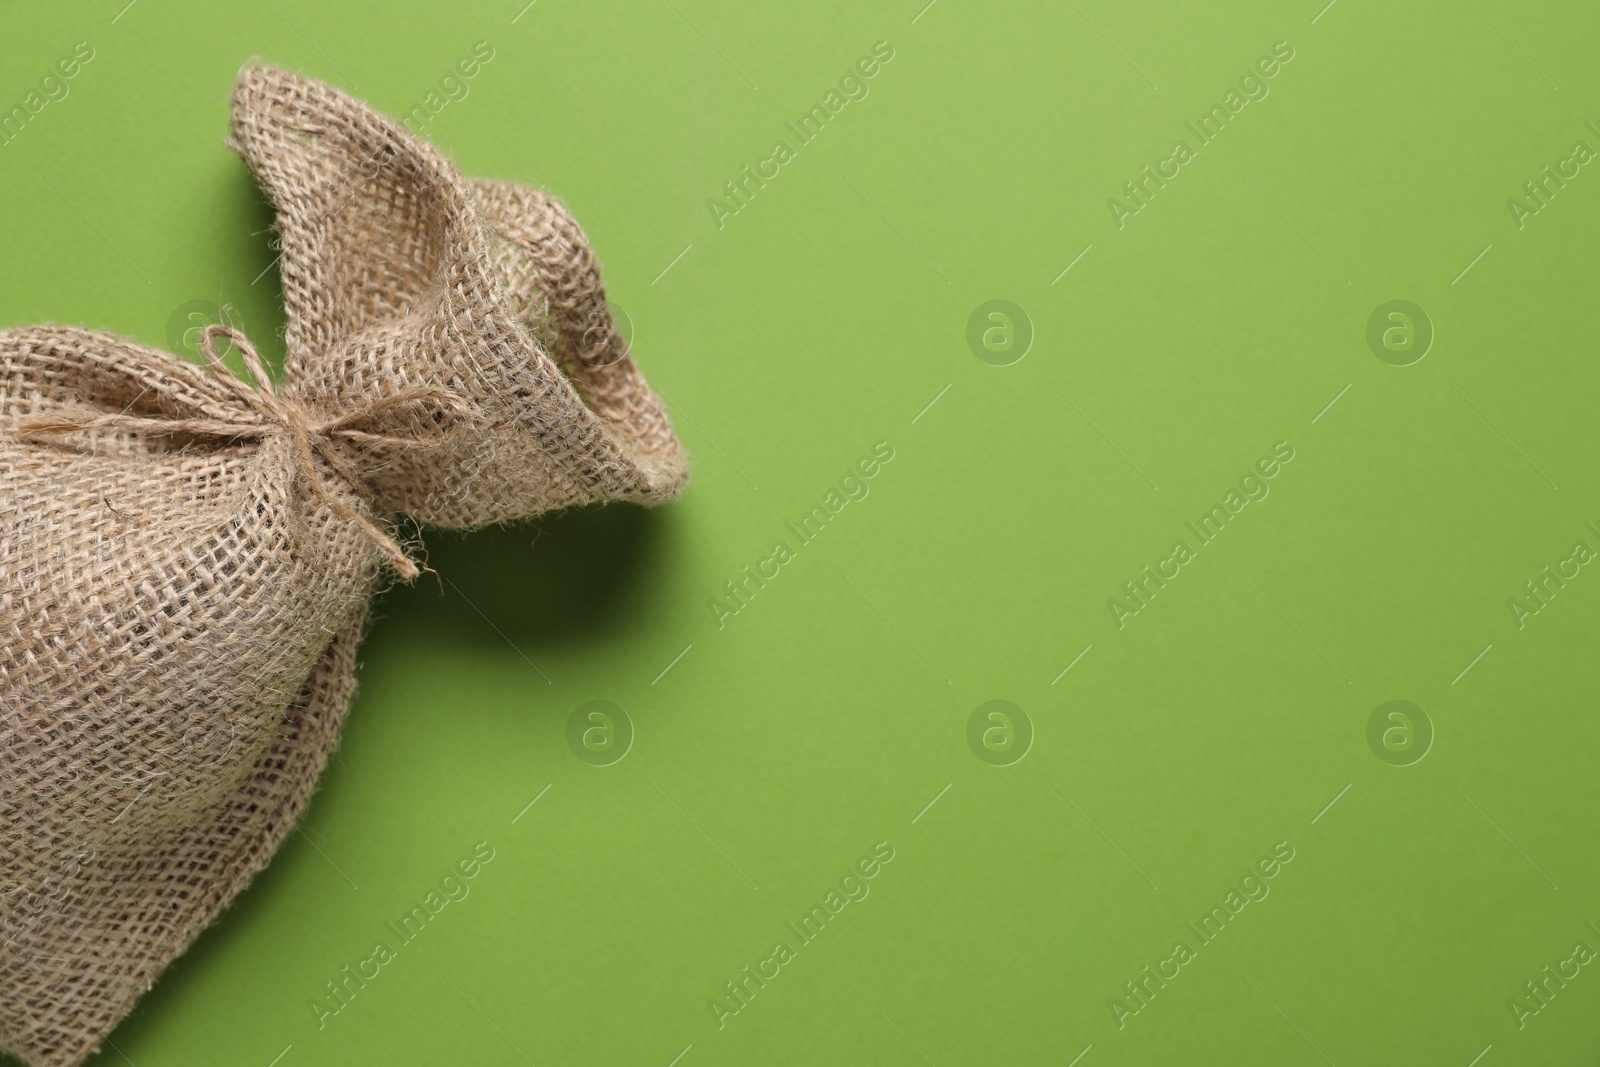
(773, 752)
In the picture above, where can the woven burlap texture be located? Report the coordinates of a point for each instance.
(186, 558)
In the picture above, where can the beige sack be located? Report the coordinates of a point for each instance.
(186, 558)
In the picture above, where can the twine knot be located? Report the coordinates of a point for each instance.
(263, 412)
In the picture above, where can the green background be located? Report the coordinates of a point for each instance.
(825, 717)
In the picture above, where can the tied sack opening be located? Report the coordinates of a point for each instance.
(186, 558)
(263, 413)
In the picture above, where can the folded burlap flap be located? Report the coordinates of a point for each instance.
(186, 558)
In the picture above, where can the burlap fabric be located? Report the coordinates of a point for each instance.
(186, 558)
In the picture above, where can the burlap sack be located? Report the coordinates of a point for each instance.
(186, 558)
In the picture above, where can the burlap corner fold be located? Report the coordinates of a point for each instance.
(186, 559)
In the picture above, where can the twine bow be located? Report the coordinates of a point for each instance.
(274, 414)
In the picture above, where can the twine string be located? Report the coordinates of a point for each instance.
(263, 413)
